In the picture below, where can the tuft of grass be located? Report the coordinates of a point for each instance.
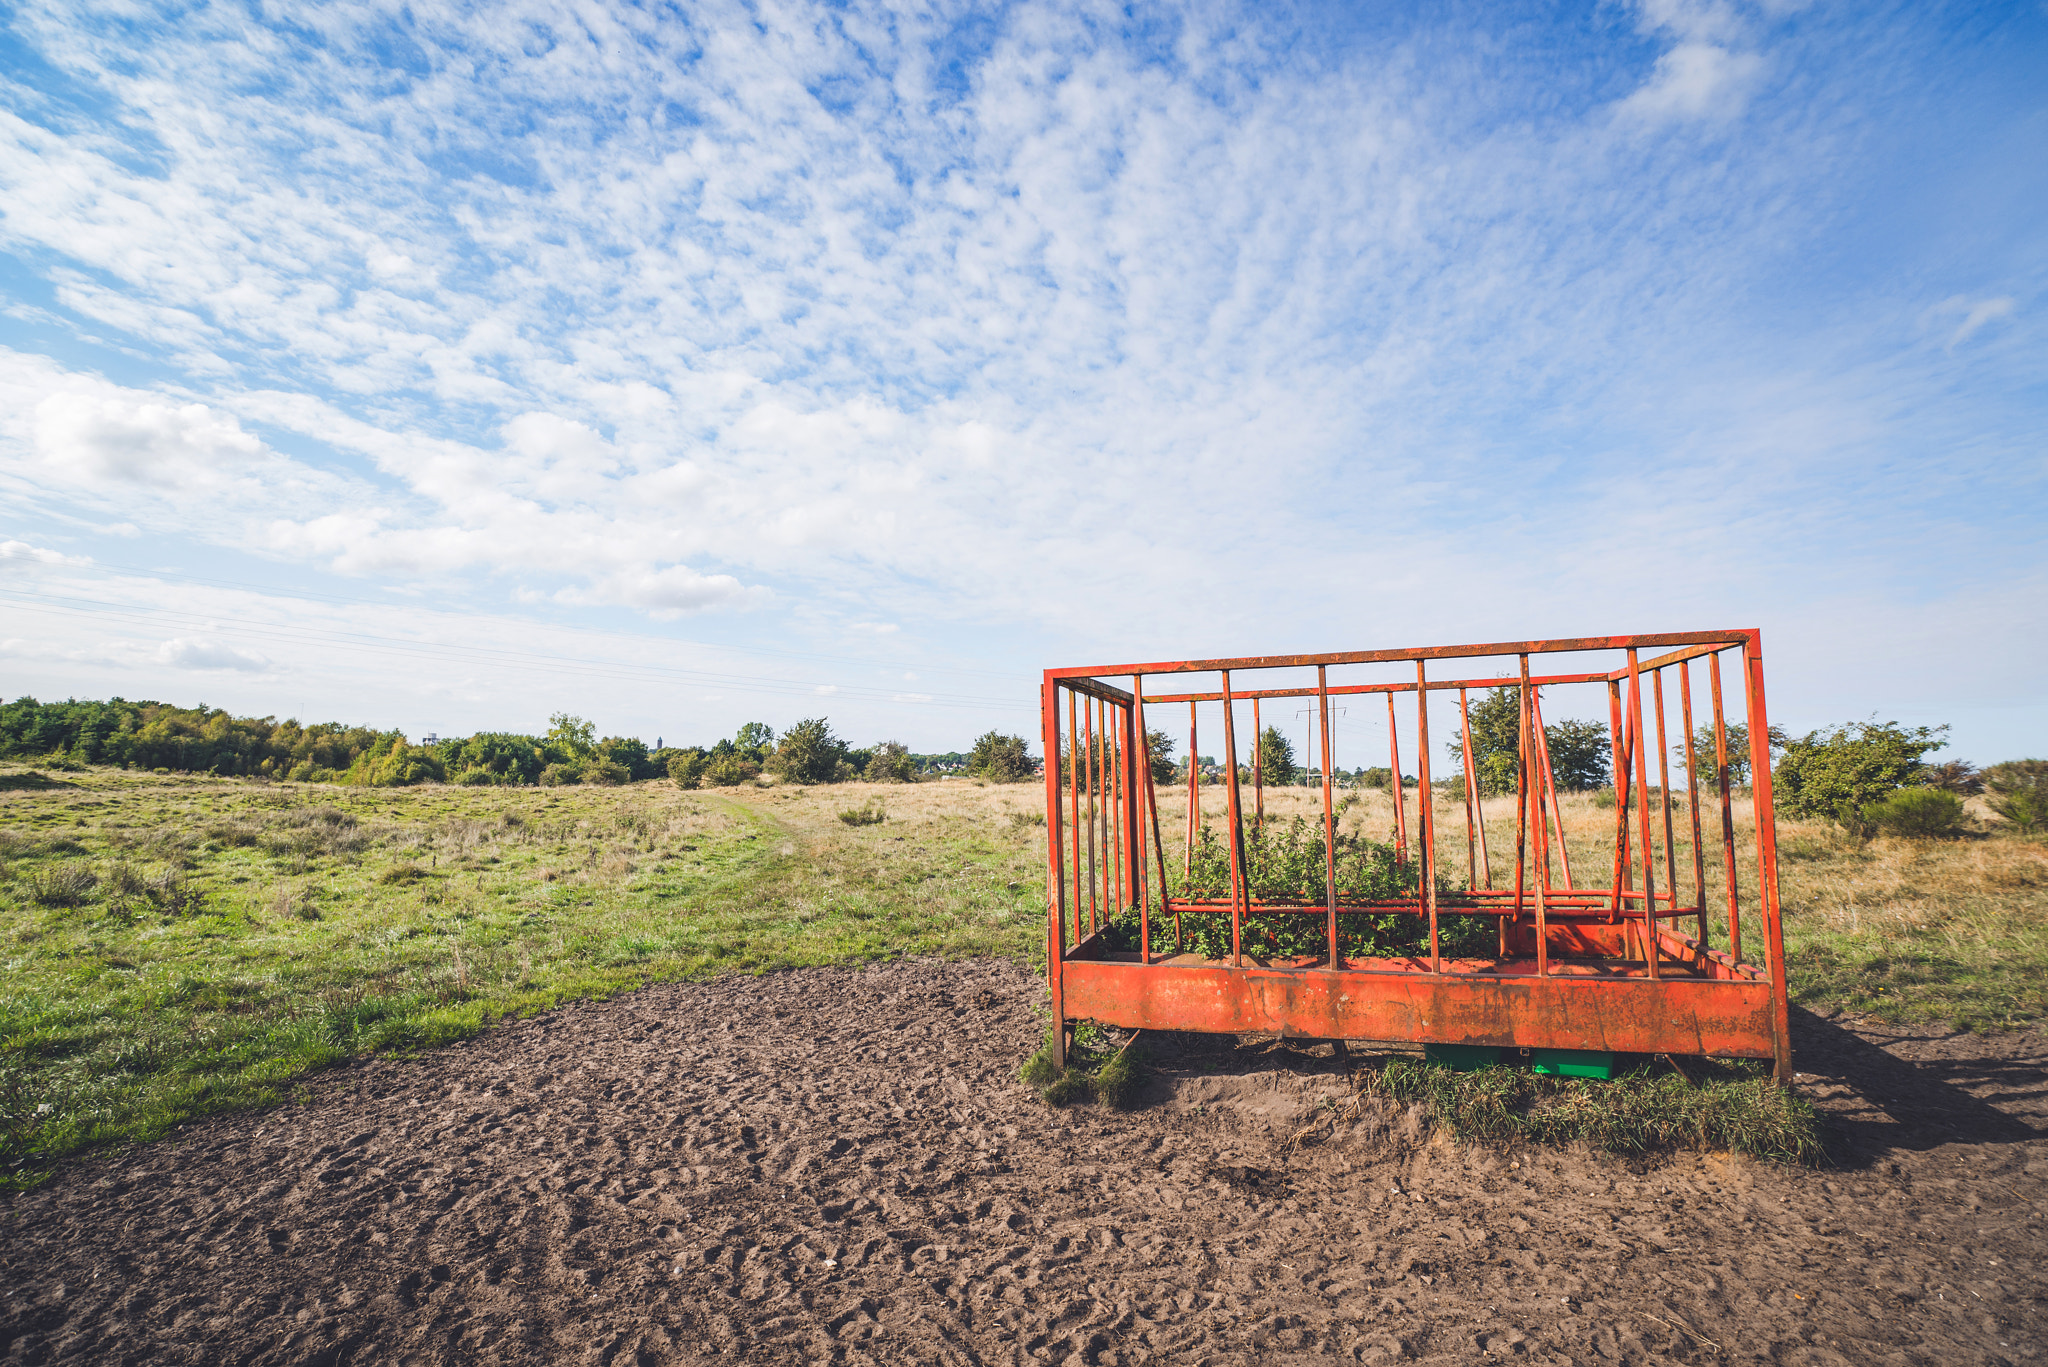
(1094, 1071)
(1717, 1106)
(869, 813)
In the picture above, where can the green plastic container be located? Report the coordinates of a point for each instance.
(1462, 1057)
(1574, 1063)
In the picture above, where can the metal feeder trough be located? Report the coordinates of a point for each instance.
(1667, 940)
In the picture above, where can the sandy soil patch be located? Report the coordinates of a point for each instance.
(838, 1166)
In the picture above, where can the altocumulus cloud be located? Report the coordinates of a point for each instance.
(1285, 321)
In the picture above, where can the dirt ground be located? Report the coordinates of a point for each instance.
(839, 1166)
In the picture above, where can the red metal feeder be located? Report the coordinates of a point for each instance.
(1387, 948)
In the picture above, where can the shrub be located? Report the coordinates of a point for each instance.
(606, 773)
(1838, 771)
(1957, 776)
(1381, 778)
(476, 778)
(890, 762)
(2018, 791)
(808, 753)
(1000, 758)
(870, 813)
(687, 768)
(730, 771)
(1916, 813)
(560, 775)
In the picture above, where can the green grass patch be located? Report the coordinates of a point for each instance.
(1096, 1070)
(1715, 1106)
(172, 947)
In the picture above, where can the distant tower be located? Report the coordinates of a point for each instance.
(657, 742)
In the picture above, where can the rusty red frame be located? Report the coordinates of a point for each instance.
(1578, 967)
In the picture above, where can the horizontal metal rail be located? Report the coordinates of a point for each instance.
(1120, 910)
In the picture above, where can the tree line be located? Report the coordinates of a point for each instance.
(208, 740)
(1861, 774)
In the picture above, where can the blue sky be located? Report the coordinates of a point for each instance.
(444, 367)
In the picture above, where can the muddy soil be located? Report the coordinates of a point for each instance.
(838, 1166)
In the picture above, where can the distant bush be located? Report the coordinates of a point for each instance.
(476, 778)
(606, 773)
(730, 771)
(560, 775)
(890, 762)
(1916, 814)
(1000, 758)
(1381, 778)
(1837, 772)
(1957, 776)
(687, 768)
(808, 753)
(2018, 791)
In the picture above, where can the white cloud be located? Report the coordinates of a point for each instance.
(1976, 313)
(22, 552)
(1695, 80)
(1083, 339)
(200, 653)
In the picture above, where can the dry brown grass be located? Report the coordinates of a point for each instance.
(1952, 930)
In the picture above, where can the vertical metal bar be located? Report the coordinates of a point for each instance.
(1055, 874)
(1238, 893)
(1194, 794)
(1088, 756)
(1258, 769)
(1400, 800)
(1541, 736)
(1767, 851)
(1727, 810)
(1635, 708)
(1126, 870)
(1692, 799)
(1336, 954)
(1664, 796)
(1531, 801)
(1151, 816)
(1617, 751)
(1426, 813)
(1522, 790)
(1074, 797)
(1471, 826)
(1472, 787)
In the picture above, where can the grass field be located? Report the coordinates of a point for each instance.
(174, 946)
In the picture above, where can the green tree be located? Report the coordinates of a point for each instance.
(1160, 746)
(890, 762)
(1835, 771)
(807, 753)
(1001, 758)
(1708, 765)
(757, 739)
(1276, 758)
(1580, 756)
(573, 737)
